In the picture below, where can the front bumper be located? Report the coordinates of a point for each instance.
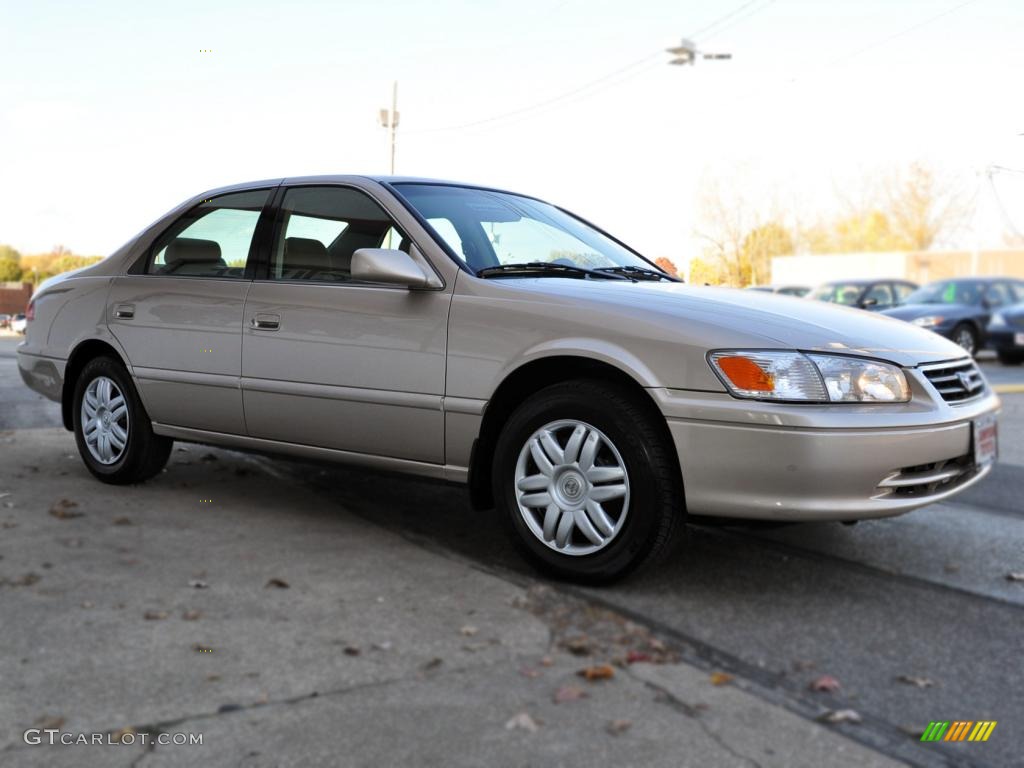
(1005, 340)
(784, 462)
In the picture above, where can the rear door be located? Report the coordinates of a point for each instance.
(331, 362)
(180, 319)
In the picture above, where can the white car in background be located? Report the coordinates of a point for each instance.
(18, 324)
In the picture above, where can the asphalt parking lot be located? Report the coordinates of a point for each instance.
(406, 615)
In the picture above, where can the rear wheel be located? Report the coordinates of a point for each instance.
(114, 435)
(586, 480)
(966, 337)
(1010, 357)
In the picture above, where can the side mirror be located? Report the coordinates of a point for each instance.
(387, 265)
(870, 301)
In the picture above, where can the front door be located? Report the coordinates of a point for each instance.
(180, 320)
(331, 362)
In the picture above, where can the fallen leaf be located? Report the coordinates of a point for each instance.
(278, 583)
(122, 521)
(618, 727)
(1015, 576)
(351, 650)
(547, 661)
(529, 672)
(841, 716)
(579, 645)
(50, 722)
(469, 630)
(721, 678)
(633, 657)
(27, 580)
(212, 678)
(154, 615)
(434, 663)
(88, 604)
(597, 672)
(198, 584)
(522, 721)
(192, 615)
(64, 509)
(569, 693)
(824, 684)
(920, 682)
(656, 645)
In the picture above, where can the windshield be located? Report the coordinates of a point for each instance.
(947, 292)
(489, 229)
(838, 293)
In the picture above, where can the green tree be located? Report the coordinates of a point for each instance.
(10, 264)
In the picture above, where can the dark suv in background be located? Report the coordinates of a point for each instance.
(960, 308)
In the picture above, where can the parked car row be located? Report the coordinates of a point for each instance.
(972, 311)
(16, 323)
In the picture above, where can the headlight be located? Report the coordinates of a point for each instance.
(929, 321)
(998, 319)
(796, 376)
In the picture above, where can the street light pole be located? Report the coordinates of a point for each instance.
(389, 121)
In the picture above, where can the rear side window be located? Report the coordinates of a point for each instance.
(321, 227)
(213, 239)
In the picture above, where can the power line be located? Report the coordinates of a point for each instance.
(594, 85)
(735, 22)
(906, 31)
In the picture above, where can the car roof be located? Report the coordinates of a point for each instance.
(338, 178)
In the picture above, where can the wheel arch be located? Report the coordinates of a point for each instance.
(527, 380)
(85, 351)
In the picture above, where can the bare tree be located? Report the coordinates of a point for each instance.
(924, 206)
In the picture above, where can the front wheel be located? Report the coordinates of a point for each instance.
(587, 480)
(114, 435)
(966, 337)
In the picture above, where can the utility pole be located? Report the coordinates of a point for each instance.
(389, 121)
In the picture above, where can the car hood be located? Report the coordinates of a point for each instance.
(913, 311)
(748, 318)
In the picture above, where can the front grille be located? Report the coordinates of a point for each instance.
(956, 382)
(927, 479)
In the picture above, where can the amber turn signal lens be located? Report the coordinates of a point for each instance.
(745, 374)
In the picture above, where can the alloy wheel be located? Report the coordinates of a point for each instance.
(572, 487)
(105, 422)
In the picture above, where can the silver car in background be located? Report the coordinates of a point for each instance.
(495, 340)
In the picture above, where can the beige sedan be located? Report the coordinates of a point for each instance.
(492, 339)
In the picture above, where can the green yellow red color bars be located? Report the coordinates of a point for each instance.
(958, 730)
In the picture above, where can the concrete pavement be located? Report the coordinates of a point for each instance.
(222, 600)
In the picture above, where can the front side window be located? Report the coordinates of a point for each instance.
(319, 229)
(490, 229)
(881, 293)
(903, 290)
(948, 292)
(846, 294)
(211, 240)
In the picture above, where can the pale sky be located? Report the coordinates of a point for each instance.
(110, 114)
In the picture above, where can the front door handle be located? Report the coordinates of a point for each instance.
(124, 311)
(261, 322)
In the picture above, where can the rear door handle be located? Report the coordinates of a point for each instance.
(124, 311)
(261, 322)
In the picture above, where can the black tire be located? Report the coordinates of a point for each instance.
(966, 333)
(656, 506)
(144, 453)
(1010, 357)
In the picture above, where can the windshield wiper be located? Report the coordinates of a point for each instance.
(540, 268)
(639, 273)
